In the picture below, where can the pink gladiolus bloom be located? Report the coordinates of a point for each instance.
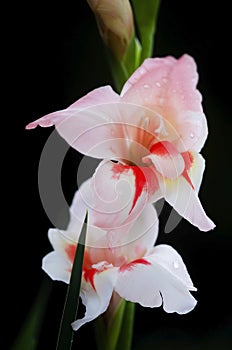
(136, 271)
(154, 130)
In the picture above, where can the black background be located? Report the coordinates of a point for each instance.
(54, 55)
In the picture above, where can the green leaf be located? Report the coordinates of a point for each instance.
(29, 334)
(146, 13)
(65, 337)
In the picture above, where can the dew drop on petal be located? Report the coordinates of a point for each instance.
(165, 80)
(192, 135)
(157, 84)
(146, 86)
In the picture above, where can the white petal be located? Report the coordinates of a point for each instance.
(59, 240)
(119, 246)
(77, 211)
(142, 235)
(138, 284)
(164, 275)
(180, 195)
(166, 159)
(57, 267)
(196, 170)
(96, 301)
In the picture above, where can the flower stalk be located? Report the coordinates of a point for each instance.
(114, 331)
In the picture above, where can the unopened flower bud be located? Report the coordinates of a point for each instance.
(115, 23)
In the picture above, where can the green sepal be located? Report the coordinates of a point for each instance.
(122, 70)
(146, 14)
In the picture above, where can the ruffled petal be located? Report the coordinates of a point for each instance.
(159, 277)
(96, 300)
(57, 266)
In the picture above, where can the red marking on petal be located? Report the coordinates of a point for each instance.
(140, 179)
(87, 263)
(140, 182)
(129, 267)
(163, 148)
(188, 160)
(89, 276)
(70, 251)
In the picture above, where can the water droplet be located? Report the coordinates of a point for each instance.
(157, 84)
(192, 135)
(146, 86)
(142, 71)
(165, 80)
(175, 264)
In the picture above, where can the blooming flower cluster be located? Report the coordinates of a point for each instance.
(149, 138)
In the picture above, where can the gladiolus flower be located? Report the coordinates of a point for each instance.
(138, 271)
(154, 130)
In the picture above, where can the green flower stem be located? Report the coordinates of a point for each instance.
(118, 71)
(66, 333)
(115, 331)
(126, 334)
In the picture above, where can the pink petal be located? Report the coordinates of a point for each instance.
(159, 277)
(166, 159)
(173, 80)
(168, 86)
(118, 193)
(96, 97)
(96, 300)
(89, 125)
